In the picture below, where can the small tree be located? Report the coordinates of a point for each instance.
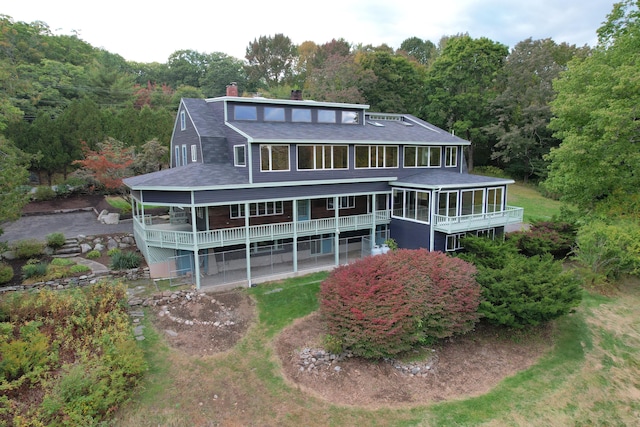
(109, 165)
(385, 305)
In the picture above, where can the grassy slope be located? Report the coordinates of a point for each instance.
(535, 205)
(590, 377)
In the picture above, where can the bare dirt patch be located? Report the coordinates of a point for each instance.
(464, 366)
(206, 324)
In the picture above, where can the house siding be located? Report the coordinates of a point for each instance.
(293, 192)
(410, 235)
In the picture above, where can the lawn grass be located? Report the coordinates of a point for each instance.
(536, 206)
(589, 378)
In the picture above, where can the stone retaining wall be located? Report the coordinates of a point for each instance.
(88, 279)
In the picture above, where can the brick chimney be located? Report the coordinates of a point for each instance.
(296, 95)
(232, 89)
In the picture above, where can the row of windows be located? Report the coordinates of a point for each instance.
(257, 209)
(415, 205)
(275, 157)
(319, 157)
(300, 115)
(454, 241)
(277, 208)
(180, 154)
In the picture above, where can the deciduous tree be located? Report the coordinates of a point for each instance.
(461, 85)
(522, 108)
(597, 116)
(271, 60)
(108, 165)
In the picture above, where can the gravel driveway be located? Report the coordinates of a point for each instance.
(70, 224)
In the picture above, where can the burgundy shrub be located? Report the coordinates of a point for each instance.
(384, 305)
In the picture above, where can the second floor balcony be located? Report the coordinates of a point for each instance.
(462, 223)
(181, 236)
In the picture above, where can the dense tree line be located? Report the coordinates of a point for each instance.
(58, 91)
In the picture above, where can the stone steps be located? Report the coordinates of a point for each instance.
(70, 248)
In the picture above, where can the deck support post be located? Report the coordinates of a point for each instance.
(247, 242)
(194, 232)
(336, 206)
(295, 235)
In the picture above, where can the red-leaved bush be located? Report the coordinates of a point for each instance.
(384, 305)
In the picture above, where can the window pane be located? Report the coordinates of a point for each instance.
(274, 114)
(423, 156)
(409, 157)
(245, 112)
(319, 157)
(411, 207)
(279, 157)
(265, 157)
(305, 156)
(435, 154)
(301, 115)
(340, 156)
(423, 206)
(391, 154)
(362, 156)
(349, 117)
(398, 203)
(326, 116)
(377, 157)
(239, 156)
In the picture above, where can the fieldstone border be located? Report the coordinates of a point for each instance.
(312, 360)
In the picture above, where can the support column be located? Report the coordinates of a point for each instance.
(194, 232)
(336, 206)
(373, 226)
(247, 242)
(295, 235)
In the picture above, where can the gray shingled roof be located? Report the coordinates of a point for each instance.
(435, 178)
(189, 176)
(204, 117)
(391, 131)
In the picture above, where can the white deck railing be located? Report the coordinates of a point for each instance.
(462, 223)
(178, 239)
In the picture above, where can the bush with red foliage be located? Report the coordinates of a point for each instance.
(384, 305)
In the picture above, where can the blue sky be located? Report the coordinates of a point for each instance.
(146, 31)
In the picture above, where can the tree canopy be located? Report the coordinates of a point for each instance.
(597, 114)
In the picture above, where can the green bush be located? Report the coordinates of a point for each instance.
(6, 273)
(93, 254)
(555, 237)
(520, 291)
(28, 248)
(55, 240)
(385, 305)
(36, 269)
(606, 251)
(112, 252)
(79, 268)
(44, 192)
(125, 260)
(62, 262)
(90, 326)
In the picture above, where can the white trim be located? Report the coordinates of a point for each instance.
(449, 157)
(236, 157)
(307, 103)
(267, 184)
(270, 146)
(194, 153)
